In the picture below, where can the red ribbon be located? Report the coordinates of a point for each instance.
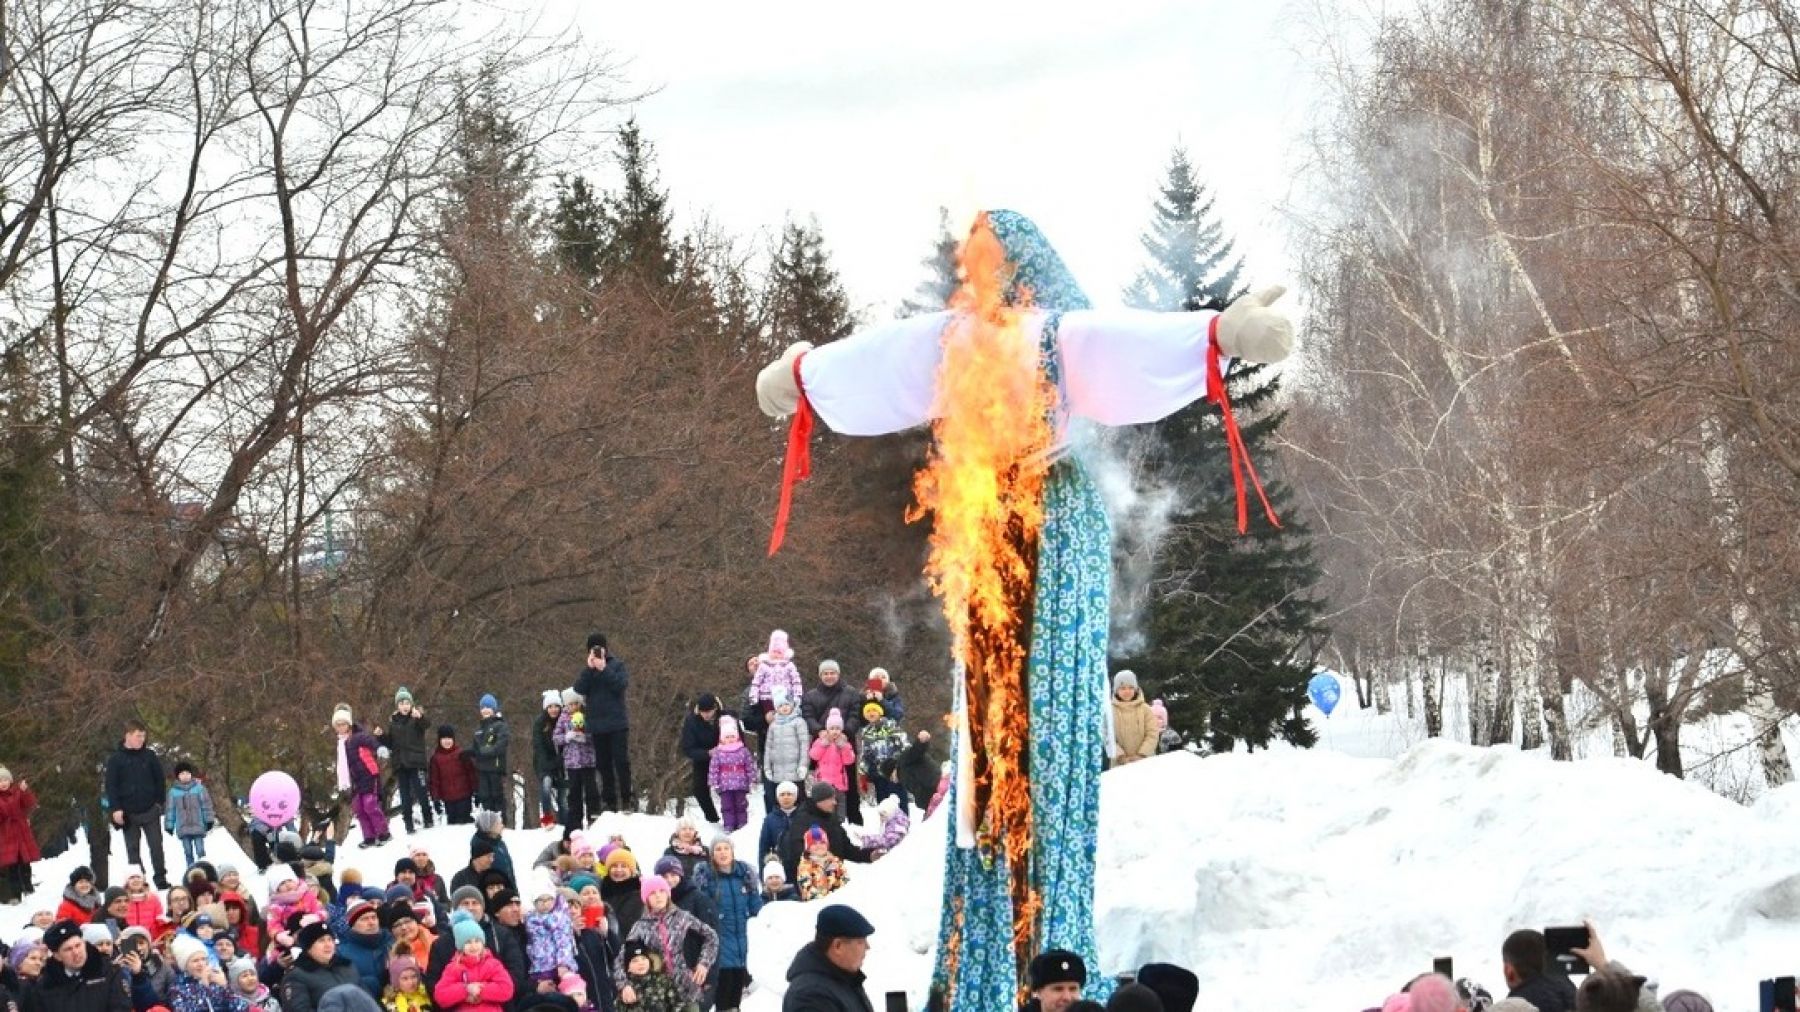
(1234, 440)
(797, 467)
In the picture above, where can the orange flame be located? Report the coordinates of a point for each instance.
(983, 485)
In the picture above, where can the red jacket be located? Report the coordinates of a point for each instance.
(452, 990)
(17, 843)
(451, 775)
(144, 911)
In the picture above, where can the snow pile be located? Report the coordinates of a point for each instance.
(1326, 879)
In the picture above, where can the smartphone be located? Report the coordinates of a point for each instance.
(1562, 943)
(1777, 995)
(1444, 966)
(896, 1001)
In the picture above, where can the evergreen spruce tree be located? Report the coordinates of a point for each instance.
(639, 227)
(1231, 625)
(803, 299)
(940, 281)
(578, 228)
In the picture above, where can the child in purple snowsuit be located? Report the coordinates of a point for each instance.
(732, 773)
(359, 772)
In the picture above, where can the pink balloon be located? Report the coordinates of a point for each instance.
(275, 799)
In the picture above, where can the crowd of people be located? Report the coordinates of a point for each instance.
(587, 925)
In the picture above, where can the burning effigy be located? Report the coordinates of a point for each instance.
(1020, 555)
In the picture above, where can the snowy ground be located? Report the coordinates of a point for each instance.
(1329, 878)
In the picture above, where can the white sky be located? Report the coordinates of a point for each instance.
(871, 116)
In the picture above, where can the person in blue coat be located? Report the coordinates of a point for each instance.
(366, 945)
(737, 894)
(776, 822)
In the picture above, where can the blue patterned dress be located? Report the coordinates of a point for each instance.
(1066, 678)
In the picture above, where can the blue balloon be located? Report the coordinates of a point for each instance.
(1324, 691)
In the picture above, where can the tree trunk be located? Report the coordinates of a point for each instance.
(1627, 720)
(1482, 681)
(1433, 699)
(1500, 728)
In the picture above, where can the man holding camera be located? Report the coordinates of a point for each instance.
(602, 684)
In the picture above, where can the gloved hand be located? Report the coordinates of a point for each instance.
(776, 392)
(1250, 330)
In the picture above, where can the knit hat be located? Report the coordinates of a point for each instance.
(395, 911)
(1124, 678)
(728, 727)
(706, 702)
(774, 870)
(503, 897)
(828, 665)
(815, 836)
(543, 884)
(635, 948)
(1056, 966)
(878, 678)
(552, 698)
(596, 641)
(1160, 712)
(487, 821)
(280, 876)
(579, 844)
(1685, 1001)
(112, 895)
(873, 711)
(778, 646)
(652, 885)
(226, 868)
(778, 697)
(571, 698)
(1176, 986)
(401, 695)
(465, 929)
(488, 702)
(83, 872)
(405, 864)
(821, 791)
(341, 715)
(481, 845)
(97, 933)
(446, 731)
(184, 948)
(621, 856)
(668, 863)
(239, 967)
(351, 876)
(359, 909)
(572, 984)
(466, 893)
(5, 775)
(582, 881)
(399, 965)
(787, 787)
(834, 720)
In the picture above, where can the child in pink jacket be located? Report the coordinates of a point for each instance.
(474, 981)
(832, 754)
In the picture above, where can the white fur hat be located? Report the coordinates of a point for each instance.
(341, 715)
(552, 698)
(774, 870)
(570, 697)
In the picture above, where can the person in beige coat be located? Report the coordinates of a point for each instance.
(1134, 726)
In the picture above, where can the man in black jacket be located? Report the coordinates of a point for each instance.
(602, 683)
(699, 736)
(507, 914)
(918, 771)
(820, 809)
(135, 790)
(76, 978)
(826, 975)
(408, 754)
(1525, 963)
